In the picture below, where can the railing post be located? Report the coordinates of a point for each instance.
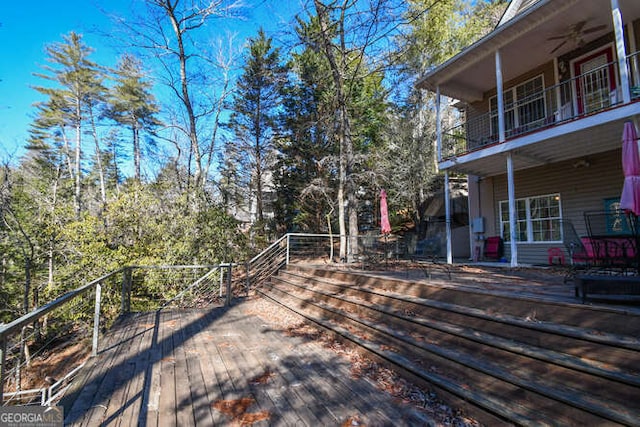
(221, 278)
(227, 301)
(248, 279)
(3, 357)
(96, 320)
(288, 246)
(126, 291)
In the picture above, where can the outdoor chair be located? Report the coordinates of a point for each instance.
(580, 251)
(611, 234)
(493, 247)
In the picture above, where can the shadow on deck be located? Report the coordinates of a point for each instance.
(222, 366)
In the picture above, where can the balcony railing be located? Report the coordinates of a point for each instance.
(577, 97)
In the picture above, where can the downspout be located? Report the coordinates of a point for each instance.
(621, 52)
(500, 98)
(438, 124)
(633, 47)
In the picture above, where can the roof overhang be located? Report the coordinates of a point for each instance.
(523, 43)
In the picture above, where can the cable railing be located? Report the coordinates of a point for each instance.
(586, 94)
(41, 352)
(54, 331)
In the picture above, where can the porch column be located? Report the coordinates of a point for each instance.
(512, 212)
(447, 215)
(500, 97)
(438, 124)
(621, 51)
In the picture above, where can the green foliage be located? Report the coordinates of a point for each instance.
(442, 29)
(71, 214)
(132, 104)
(253, 123)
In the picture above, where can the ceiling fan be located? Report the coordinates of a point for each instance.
(575, 34)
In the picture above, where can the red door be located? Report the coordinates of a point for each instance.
(595, 81)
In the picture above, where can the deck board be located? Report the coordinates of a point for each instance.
(174, 367)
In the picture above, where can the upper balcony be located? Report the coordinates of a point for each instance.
(565, 93)
(532, 108)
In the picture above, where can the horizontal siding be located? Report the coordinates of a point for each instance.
(581, 189)
(482, 107)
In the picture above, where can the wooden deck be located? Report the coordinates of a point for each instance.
(223, 366)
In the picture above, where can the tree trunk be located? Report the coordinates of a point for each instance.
(345, 186)
(136, 150)
(96, 140)
(184, 89)
(77, 168)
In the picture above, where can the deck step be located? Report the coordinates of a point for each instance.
(497, 365)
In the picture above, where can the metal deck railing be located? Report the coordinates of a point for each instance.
(73, 323)
(569, 100)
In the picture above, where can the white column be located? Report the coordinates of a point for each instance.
(438, 124)
(512, 212)
(447, 215)
(500, 97)
(621, 52)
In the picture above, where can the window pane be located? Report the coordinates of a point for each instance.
(504, 211)
(506, 234)
(521, 209)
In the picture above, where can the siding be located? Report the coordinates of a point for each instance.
(482, 107)
(580, 188)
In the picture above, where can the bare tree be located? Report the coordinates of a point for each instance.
(172, 32)
(351, 34)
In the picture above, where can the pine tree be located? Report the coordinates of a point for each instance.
(304, 180)
(132, 104)
(72, 103)
(253, 117)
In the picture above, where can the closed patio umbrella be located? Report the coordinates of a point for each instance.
(630, 199)
(385, 227)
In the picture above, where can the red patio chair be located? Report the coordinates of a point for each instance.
(493, 247)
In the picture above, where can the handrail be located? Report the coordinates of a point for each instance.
(41, 311)
(266, 263)
(269, 248)
(16, 326)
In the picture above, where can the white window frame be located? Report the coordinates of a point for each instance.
(503, 207)
(512, 108)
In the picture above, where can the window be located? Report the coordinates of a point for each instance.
(537, 219)
(523, 106)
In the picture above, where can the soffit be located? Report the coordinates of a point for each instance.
(523, 44)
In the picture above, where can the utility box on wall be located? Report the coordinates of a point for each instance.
(477, 225)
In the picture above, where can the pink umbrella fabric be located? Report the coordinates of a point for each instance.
(630, 199)
(385, 227)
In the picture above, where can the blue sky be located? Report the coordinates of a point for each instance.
(26, 27)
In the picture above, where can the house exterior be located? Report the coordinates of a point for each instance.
(549, 149)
